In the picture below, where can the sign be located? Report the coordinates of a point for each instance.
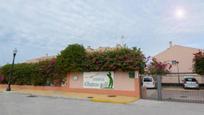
(99, 80)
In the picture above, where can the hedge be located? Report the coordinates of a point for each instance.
(42, 73)
(122, 59)
(74, 58)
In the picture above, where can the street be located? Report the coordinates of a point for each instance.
(177, 94)
(21, 104)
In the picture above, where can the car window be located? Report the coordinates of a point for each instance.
(147, 79)
(190, 79)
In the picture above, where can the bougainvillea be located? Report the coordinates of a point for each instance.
(122, 59)
(1, 78)
(42, 73)
(158, 68)
(74, 58)
(199, 62)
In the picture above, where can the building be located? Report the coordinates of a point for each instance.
(88, 49)
(181, 59)
(39, 59)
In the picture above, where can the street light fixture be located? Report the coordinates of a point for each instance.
(11, 70)
(175, 62)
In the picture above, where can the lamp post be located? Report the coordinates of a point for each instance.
(11, 70)
(174, 62)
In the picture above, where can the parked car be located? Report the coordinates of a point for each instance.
(190, 82)
(148, 82)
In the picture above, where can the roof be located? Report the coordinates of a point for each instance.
(36, 60)
(88, 49)
(184, 55)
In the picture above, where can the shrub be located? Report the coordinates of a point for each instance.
(199, 63)
(22, 73)
(121, 59)
(74, 58)
(49, 71)
(1, 78)
(42, 73)
(158, 68)
(71, 58)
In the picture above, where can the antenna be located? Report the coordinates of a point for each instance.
(122, 40)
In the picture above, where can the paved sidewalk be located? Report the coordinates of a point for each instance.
(23, 104)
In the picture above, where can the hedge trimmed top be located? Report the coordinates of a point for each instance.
(75, 58)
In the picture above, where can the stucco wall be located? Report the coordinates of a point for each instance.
(121, 81)
(184, 55)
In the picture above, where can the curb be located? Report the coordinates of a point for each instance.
(113, 101)
(48, 96)
(72, 98)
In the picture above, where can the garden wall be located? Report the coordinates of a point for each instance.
(122, 84)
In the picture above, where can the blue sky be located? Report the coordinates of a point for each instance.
(40, 27)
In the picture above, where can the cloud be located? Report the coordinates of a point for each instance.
(38, 27)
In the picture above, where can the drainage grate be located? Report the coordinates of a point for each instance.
(32, 96)
(90, 97)
(111, 95)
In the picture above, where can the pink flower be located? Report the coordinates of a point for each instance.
(1, 78)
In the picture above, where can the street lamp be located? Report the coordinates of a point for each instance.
(174, 62)
(11, 70)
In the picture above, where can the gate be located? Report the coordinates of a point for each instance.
(171, 88)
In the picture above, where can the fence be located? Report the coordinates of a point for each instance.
(171, 88)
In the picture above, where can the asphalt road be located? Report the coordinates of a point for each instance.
(19, 104)
(180, 95)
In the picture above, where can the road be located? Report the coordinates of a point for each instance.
(178, 94)
(21, 104)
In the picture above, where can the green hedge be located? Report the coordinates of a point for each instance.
(74, 58)
(42, 73)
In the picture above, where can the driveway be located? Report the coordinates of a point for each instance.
(177, 94)
(21, 104)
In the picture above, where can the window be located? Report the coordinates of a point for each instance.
(147, 80)
(131, 74)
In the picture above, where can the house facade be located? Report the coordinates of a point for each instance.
(181, 59)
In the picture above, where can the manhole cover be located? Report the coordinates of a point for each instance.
(32, 96)
(183, 96)
(111, 95)
(90, 97)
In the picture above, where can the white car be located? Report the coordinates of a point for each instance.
(148, 82)
(190, 82)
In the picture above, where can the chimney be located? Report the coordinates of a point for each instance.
(88, 47)
(118, 46)
(170, 44)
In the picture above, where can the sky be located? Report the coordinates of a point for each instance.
(40, 27)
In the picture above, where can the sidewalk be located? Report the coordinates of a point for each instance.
(18, 104)
(73, 95)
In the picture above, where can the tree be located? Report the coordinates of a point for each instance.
(199, 63)
(71, 58)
